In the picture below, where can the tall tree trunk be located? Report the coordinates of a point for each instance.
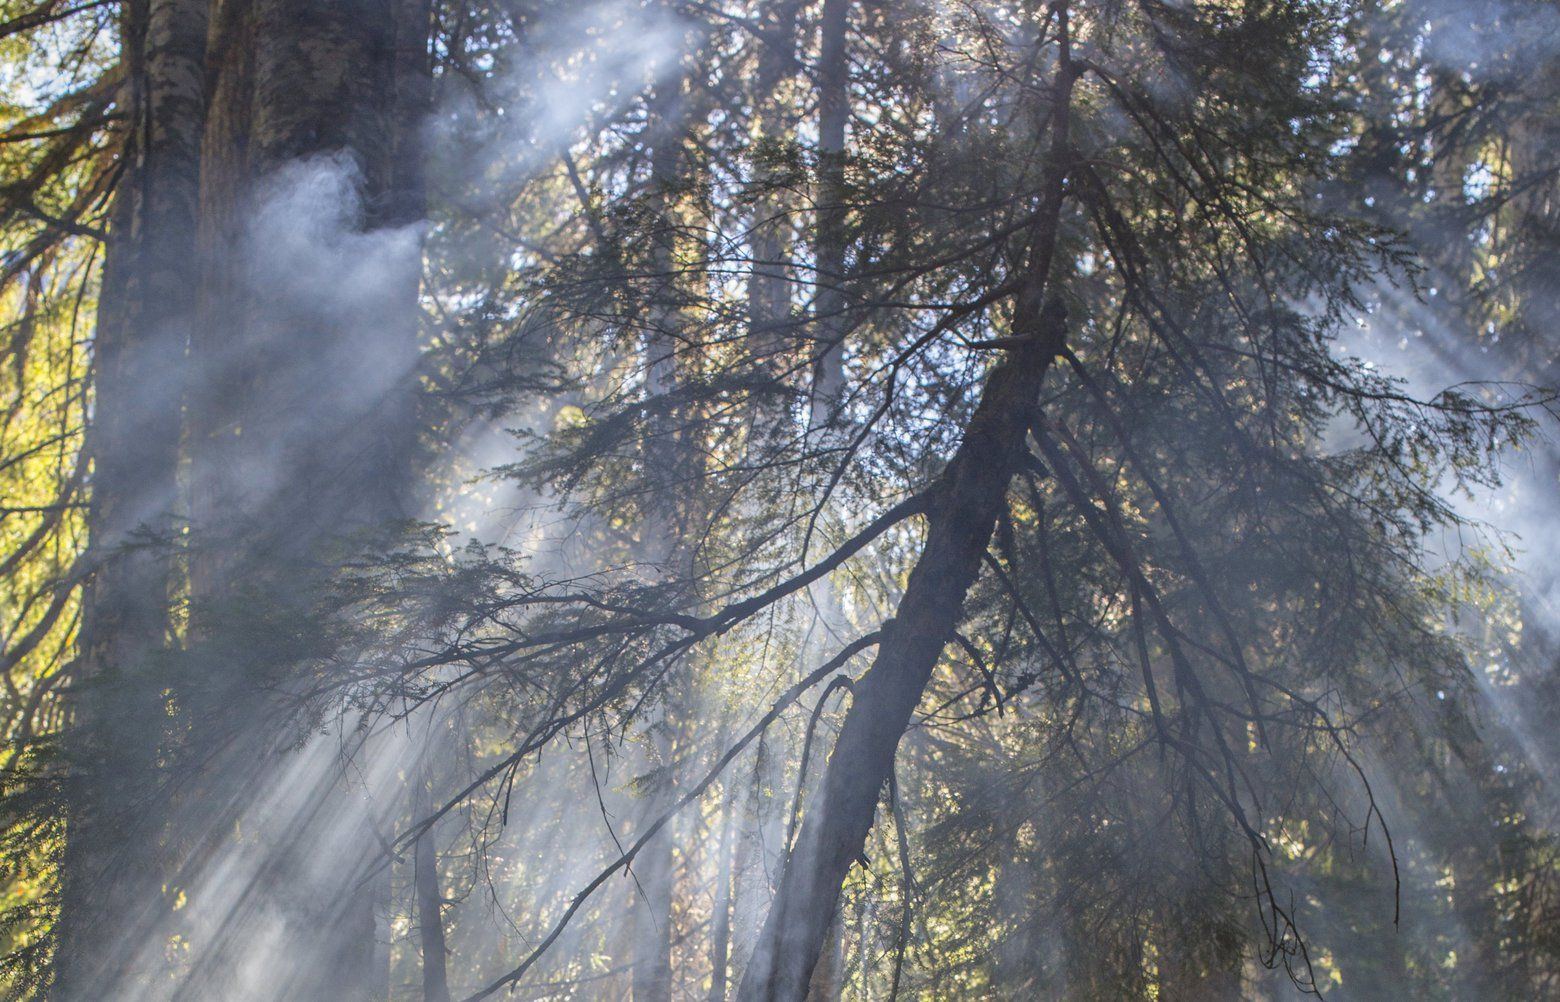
(652, 977)
(720, 935)
(769, 282)
(112, 890)
(962, 510)
(430, 899)
(829, 303)
(280, 425)
(302, 431)
(827, 981)
(431, 923)
(966, 503)
(1537, 287)
(671, 468)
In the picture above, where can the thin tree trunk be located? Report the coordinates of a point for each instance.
(959, 526)
(769, 286)
(671, 464)
(829, 303)
(430, 902)
(862, 952)
(654, 874)
(827, 980)
(112, 889)
(720, 937)
(961, 515)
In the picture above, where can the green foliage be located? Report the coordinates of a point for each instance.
(1215, 720)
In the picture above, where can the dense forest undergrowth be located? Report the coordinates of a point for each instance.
(779, 499)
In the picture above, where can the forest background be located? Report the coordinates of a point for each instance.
(779, 499)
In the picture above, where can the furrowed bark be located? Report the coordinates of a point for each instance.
(112, 889)
(299, 82)
(302, 434)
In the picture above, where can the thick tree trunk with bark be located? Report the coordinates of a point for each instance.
(112, 889)
(294, 436)
(302, 428)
